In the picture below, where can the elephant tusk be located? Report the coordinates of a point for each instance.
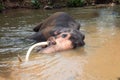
(31, 48)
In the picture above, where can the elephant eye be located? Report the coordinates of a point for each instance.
(64, 35)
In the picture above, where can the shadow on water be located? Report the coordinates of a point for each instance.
(97, 60)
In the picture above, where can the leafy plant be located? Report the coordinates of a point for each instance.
(36, 4)
(1, 7)
(75, 3)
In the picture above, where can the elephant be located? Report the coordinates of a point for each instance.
(61, 32)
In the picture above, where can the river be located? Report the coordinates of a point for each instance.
(99, 59)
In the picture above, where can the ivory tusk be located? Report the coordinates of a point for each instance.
(33, 46)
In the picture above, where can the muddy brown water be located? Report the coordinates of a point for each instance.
(99, 59)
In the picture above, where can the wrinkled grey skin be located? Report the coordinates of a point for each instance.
(57, 24)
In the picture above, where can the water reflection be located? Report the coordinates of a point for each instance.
(95, 61)
(57, 67)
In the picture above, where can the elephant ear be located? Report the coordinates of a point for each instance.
(37, 28)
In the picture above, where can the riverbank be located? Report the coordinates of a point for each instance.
(60, 7)
(51, 4)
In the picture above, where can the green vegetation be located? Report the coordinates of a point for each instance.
(1, 7)
(75, 3)
(36, 4)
